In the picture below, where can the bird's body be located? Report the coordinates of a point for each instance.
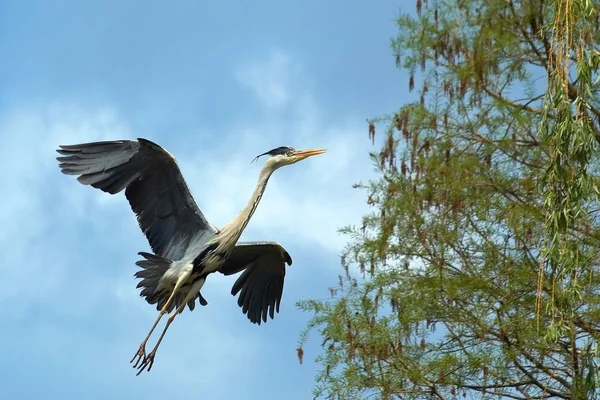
(186, 247)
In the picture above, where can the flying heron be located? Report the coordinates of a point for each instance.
(186, 247)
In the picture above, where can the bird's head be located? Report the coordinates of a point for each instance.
(285, 155)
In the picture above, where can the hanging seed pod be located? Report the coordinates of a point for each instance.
(457, 47)
(411, 83)
(443, 43)
(371, 132)
(398, 122)
(434, 124)
(398, 63)
(426, 146)
(463, 88)
(384, 352)
(351, 350)
(405, 132)
(419, 6)
(390, 145)
(300, 354)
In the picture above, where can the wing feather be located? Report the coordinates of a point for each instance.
(154, 186)
(260, 286)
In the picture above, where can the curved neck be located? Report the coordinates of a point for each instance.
(233, 230)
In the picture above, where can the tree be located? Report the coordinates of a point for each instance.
(477, 273)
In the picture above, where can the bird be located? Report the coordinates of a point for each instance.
(186, 248)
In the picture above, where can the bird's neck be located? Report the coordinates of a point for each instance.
(233, 230)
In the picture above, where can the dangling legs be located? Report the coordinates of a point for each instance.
(149, 359)
(141, 353)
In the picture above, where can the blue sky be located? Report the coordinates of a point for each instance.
(216, 83)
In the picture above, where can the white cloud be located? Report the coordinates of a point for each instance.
(269, 79)
(30, 137)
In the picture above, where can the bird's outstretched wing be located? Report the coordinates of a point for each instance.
(261, 284)
(158, 195)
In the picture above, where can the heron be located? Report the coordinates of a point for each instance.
(186, 248)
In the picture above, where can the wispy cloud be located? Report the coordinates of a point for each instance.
(28, 218)
(270, 79)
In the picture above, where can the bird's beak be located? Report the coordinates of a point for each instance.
(302, 154)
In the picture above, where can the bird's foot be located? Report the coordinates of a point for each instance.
(140, 355)
(148, 362)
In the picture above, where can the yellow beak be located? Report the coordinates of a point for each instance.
(308, 153)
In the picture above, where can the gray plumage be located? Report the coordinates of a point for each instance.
(186, 247)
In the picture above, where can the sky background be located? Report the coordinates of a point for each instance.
(216, 83)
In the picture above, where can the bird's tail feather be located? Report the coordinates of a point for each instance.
(153, 269)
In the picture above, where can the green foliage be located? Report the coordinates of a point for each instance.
(571, 134)
(476, 274)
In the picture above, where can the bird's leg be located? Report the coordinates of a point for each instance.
(149, 359)
(140, 355)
